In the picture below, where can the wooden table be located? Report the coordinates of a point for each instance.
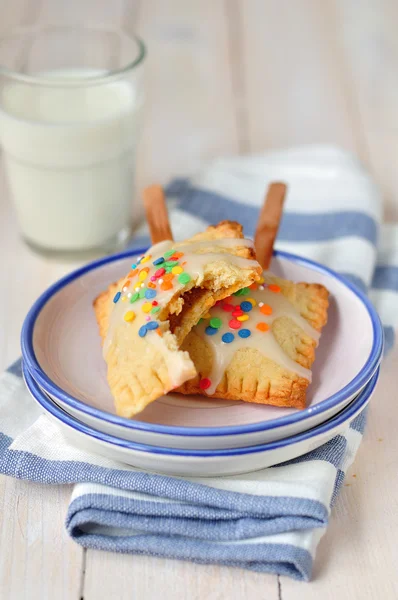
(225, 78)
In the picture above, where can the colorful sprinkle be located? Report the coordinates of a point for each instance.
(152, 325)
(178, 255)
(210, 330)
(134, 297)
(252, 301)
(261, 304)
(125, 288)
(261, 280)
(274, 288)
(243, 292)
(166, 285)
(253, 286)
(129, 316)
(149, 294)
(124, 299)
(141, 294)
(227, 307)
(129, 295)
(147, 318)
(244, 333)
(177, 270)
(246, 306)
(146, 258)
(117, 296)
(229, 337)
(266, 309)
(168, 277)
(261, 288)
(262, 326)
(160, 272)
(147, 307)
(237, 312)
(155, 310)
(155, 303)
(158, 261)
(151, 285)
(204, 383)
(243, 318)
(184, 278)
(133, 266)
(234, 324)
(142, 331)
(169, 253)
(215, 322)
(153, 278)
(170, 264)
(143, 275)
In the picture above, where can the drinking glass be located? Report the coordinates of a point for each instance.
(70, 106)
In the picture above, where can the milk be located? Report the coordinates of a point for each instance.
(69, 153)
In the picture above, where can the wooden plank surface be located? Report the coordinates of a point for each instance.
(225, 77)
(368, 38)
(294, 86)
(188, 78)
(358, 556)
(150, 578)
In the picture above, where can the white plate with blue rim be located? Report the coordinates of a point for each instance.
(200, 463)
(62, 351)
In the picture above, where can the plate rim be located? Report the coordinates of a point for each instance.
(355, 385)
(344, 415)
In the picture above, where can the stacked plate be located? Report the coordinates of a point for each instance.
(66, 374)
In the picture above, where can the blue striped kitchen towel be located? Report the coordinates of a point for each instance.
(270, 520)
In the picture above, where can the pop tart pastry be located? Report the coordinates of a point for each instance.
(144, 318)
(259, 344)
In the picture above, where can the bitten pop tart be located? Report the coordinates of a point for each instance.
(144, 318)
(258, 345)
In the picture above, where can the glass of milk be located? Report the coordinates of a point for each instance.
(70, 103)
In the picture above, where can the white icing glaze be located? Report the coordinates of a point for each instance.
(264, 341)
(193, 263)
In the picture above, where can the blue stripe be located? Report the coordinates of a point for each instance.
(5, 442)
(385, 278)
(337, 486)
(90, 509)
(357, 281)
(295, 227)
(139, 241)
(25, 465)
(333, 452)
(282, 559)
(16, 368)
(277, 507)
(358, 424)
(389, 339)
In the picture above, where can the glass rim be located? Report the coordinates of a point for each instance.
(105, 76)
